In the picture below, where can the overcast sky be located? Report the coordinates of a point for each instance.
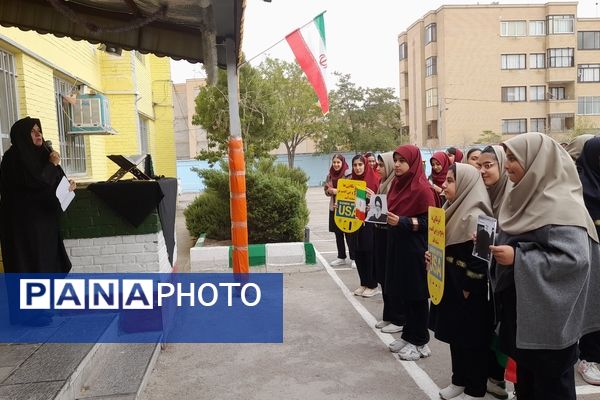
(361, 34)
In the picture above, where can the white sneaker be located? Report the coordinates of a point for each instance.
(409, 353)
(451, 391)
(391, 328)
(424, 350)
(497, 389)
(397, 345)
(589, 372)
(353, 264)
(370, 292)
(359, 291)
(382, 324)
(337, 262)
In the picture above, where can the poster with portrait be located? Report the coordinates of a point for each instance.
(377, 209)
(485, 237)
(436, 245)
(345, 205)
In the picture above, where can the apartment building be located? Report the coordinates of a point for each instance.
(189, 138)
(510, 69)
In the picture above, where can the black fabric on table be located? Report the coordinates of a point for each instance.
(166, 211)
(133, 200)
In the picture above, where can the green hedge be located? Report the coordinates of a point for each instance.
(275, 193)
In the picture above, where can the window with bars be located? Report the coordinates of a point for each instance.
(431, 66)
(72, 147)
(560, 58)
(512, 126)
(537, 125)
(537, 61)
(561, 24)
(9, 112)
(558, 93)
(430, 33)
(512, 61)
(588, 73)
(514, 94)
(431, 97)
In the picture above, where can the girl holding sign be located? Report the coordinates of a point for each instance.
(463, 317)
(363, 238)
(393, 311)
(409, 199)
(550, 243)
(337, 171)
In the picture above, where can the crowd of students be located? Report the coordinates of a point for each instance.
(537, 301)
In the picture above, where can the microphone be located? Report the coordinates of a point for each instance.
(48, 145)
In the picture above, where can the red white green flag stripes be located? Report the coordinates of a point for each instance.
(360, 210)
(308, 45)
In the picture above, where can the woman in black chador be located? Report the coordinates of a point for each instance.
(29, 208)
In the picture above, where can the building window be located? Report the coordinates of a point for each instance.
(402, 50)
(560, 58)
(561, 122)
(431, 66)
(430, 33)
(588, 40)
(588, 73)
(557, 93)
(143, 126)
(561, 24)
(72, 147)
(537, 61)
(513, 28)
(513, 61)
(431, 97)
(513, 93)
(537, 125)
(432, 131)
(537, 93)
(537, 28)
(588, 105)
(8, 98)
(512, 126)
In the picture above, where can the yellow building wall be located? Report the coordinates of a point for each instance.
(127, 82)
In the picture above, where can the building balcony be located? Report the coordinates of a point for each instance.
(561, 107)
(431, 113)
(556, 75)
(404, 93)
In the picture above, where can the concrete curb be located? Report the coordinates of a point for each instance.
(204, 259)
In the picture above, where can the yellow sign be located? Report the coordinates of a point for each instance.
(436, 238)
(345, 199)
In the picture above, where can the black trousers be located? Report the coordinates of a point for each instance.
(393, 309)
(546, 374)
(364, 265)
(469, 369)
(495, 370)
(417, 316)
(589, 347)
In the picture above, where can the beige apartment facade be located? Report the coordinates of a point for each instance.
(504, 68)
(189, 138)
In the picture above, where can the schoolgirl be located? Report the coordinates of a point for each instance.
(409, 199)
(337, 171)
(439, 169)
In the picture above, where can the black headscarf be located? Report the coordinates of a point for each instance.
(588, 166)
(33, 157)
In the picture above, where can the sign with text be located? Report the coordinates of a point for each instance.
(436, 244)
(345, 211)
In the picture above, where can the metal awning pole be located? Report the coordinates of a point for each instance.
(237, 168)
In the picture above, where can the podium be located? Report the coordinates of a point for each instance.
(128, 164)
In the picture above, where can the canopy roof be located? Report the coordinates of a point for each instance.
(193, 30)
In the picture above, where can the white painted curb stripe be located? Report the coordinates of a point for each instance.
(416, 373)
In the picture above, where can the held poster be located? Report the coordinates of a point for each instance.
(345, 210)
(436, 240)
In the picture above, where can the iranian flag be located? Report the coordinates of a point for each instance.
(308, 45)
(360, 204)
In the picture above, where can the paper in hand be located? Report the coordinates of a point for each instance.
(485, 237)
(63, 194)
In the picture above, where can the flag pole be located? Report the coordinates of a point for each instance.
(279, 41)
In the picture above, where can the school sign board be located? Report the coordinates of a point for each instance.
(436, 240)
(345, 211)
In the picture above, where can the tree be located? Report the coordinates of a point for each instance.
(488, 137)
(362, 119)
(212, 113)
(583, 125)
(292, 106)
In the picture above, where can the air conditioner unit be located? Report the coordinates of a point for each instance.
(90, 116)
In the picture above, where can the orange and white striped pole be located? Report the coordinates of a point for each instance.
(237, 168)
